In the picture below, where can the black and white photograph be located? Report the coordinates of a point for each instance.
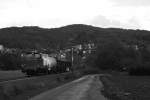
(74, 49)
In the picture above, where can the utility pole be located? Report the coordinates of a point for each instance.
(72, 58)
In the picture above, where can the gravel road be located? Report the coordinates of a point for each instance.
(85, 88)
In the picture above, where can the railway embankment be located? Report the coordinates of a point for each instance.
(22, 89)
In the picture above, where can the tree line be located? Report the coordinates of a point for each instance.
(115, 55)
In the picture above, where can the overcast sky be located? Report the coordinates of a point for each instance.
(132, 14)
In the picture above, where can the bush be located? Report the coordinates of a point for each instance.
(143, 69)
(10, 61)
(142, 66)
(139, 71)
(90, 71)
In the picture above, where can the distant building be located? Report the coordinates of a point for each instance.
(1, 48)
(77, 47)
(136, 47)
(61, 56)
(67, 50)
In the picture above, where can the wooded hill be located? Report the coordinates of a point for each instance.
(36, 38)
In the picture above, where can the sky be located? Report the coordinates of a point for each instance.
(128, 14)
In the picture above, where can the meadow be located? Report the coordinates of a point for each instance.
(125, 87)
(29, 87)
(8, 75)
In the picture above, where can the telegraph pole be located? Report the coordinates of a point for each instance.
(72, 58)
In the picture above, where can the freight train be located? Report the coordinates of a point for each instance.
(44, 65)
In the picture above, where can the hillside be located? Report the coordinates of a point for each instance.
(36, 37)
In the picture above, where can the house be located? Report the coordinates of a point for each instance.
(1, 48)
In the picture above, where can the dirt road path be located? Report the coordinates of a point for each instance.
(85, 88)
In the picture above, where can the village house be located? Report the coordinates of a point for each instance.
(1, 48)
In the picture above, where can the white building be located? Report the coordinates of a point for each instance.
(1, 48)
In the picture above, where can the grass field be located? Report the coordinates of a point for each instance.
(25, 89)
(7, 75)
(124, 87)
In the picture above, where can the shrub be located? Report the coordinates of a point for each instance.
(10, 61)
(143, 69)
(90, 71)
